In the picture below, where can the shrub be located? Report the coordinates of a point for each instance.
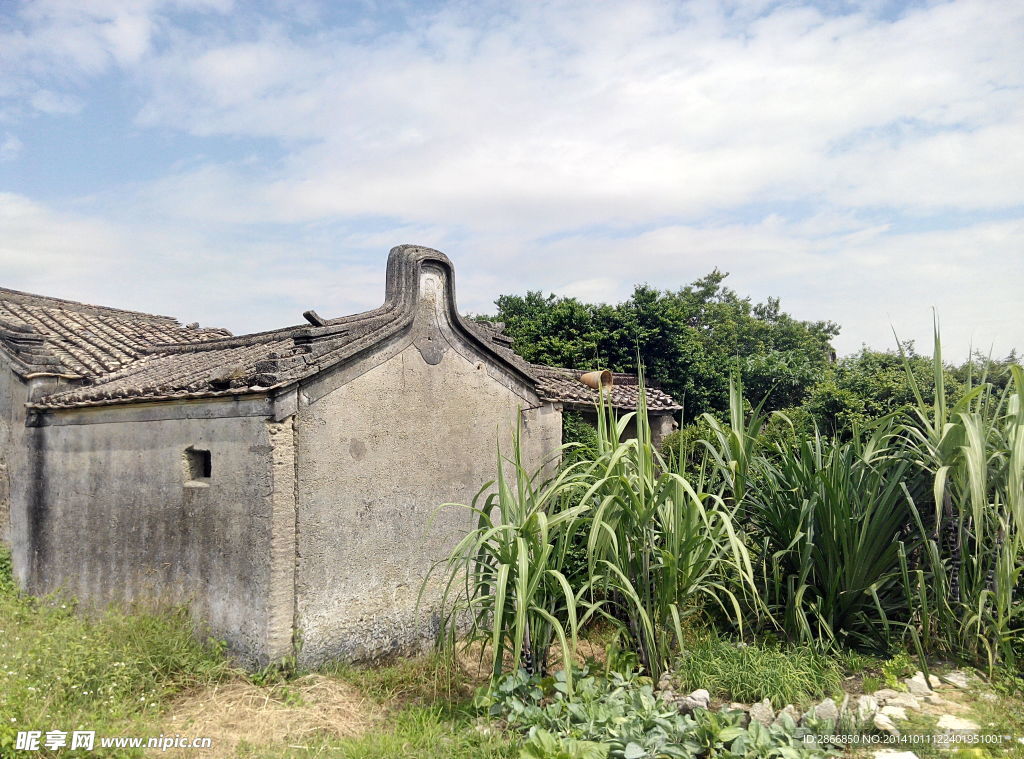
(686, 443)
(896, 669)
(787, 428)
(580, 437)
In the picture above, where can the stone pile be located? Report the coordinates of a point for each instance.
(881, 710)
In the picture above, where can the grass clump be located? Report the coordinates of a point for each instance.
(62, 670)
(750, 673)
(420, 681)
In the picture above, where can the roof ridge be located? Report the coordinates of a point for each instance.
(271, 360)
(241, 341)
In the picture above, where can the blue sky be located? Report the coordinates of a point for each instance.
(236, 163)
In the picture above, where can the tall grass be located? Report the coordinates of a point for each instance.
(660, 546)
(656, 544)
(966, 584)
(504, 583)
(910, 532)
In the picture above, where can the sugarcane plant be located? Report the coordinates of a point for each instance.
(966, 584)
(503, 582)
(659, 545)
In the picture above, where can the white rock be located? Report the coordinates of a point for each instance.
(990, 697)
(957, 679)
(866, 708)
(935, 700)
(888, 753)
(917, 685)
(904, 701)
(885, 724)
(894, 712)
(949, 722)
(885, 693)
(701, 697)
(826, 710)
(762, 712)
(789, 710)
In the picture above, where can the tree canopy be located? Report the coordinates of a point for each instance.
(689, 340)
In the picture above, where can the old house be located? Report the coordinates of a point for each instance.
(284, 484)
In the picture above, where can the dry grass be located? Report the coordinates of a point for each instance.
(231, 713)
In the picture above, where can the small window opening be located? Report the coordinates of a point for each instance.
(198, 463)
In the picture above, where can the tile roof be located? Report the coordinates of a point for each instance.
(265, 361)
(565, 386)
(76, 340)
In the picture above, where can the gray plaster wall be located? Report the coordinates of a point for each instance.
(13, 394)
(111, 515)
(380, 446)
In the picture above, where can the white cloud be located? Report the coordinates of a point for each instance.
(10, 147)
(566, 146)
(50, 102)
(39, 245)
(564, 115)
(869, 280)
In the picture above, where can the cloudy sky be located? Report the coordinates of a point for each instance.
(236, 163)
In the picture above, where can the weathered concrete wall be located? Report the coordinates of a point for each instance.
(112, 514)
(13, 394)
(380, 446)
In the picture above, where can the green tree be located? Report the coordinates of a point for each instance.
(688, 340)
(871, 384)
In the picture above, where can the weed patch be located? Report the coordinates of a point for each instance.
(62, 670)
(423, 681)
(749, 673)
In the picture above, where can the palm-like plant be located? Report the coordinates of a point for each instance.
(657, 542)
(830, 521)
(968, 580)
(504, 582)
